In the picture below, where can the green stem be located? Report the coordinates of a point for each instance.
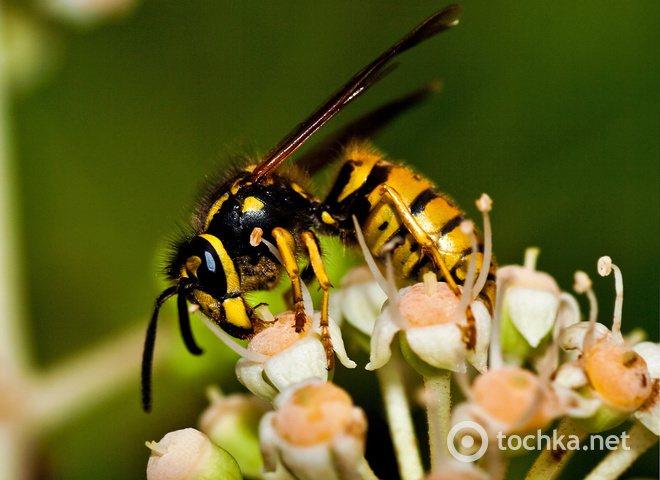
(639, 440)
(400, 420)
(438, 411)
(550, 462)
(14, 354)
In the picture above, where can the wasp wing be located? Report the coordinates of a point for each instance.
(365, 78)
(363, 128)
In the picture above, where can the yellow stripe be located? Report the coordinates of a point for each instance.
(299, 189)
(252, 204)
(235, 313)
(233, 283)
(214, 209)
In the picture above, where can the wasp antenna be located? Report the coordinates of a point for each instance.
(184, 324)
(361, 81)
(148, 352)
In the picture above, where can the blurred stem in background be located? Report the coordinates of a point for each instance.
(13, 348)
(32, 402)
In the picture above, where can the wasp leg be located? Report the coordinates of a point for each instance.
(286, 246)
(324, 282)
(429, 247)
(427, 244)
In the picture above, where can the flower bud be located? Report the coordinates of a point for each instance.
(516, 399)
(619, 379)
(316, 432)
(189, 455)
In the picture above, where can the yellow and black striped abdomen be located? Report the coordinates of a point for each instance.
(358, 191)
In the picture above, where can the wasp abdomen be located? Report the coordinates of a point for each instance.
(359, 191)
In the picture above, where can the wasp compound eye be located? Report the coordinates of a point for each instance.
(203, 267)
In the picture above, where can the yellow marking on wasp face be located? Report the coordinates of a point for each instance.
(299, 189)
(234, 187)
(235, 313)
(327, 218)
(252, 204)
(233, 282)
(192, 264)
(214, 209)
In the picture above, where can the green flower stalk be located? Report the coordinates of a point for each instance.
(232, 422)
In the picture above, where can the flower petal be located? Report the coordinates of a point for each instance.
(303, 360)
(438, 345)
(532, 311)
(384, 330)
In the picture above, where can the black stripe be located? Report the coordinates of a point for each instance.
(451, 224)
(422, 200)
(424, 262)
(465, 254)
(361, 206)
(378, 174)
(400, 232)
(342, 180)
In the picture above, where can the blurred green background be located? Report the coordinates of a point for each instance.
(552, 108)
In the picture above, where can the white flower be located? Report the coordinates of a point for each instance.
(316, 432)
(431, 328)
(290, 357)
(649, 413)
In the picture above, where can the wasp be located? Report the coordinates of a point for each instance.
(261, 207)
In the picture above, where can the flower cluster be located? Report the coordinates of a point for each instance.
(520, 366)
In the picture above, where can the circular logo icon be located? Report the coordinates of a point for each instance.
(467, 441)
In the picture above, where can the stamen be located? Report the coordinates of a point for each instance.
(156, 448)
(264, 313)
(605, 266)
(468, 227)
(531, 255)
(307, 300)
(430, 283)
(485, 205)
(273, 249)
(229, 341)
(495, 354)
(583, 286)
(371, 263)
